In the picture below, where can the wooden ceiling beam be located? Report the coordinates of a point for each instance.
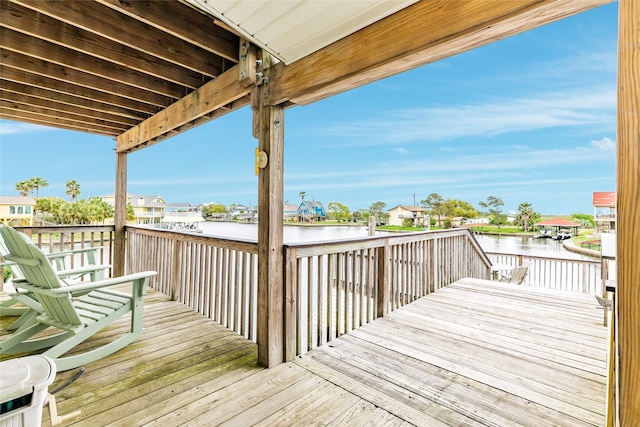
(60, 109)
(238, 103)
(43, 27)
(54, 71)
(28, 117)
(56, 87)
(123, 29)
(226, 89)
(182, 21)
(420, 34)
(71, 101)
(68, 116)
(46, 51)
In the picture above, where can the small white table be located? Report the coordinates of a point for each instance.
(497, 268)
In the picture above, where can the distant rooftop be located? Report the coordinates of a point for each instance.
(604, 198)
(558, 222)
(17, 200)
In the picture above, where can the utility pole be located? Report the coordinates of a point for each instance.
(414, 199)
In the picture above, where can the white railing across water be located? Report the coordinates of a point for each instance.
(556, 273)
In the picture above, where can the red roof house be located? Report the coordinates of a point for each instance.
(604, 198)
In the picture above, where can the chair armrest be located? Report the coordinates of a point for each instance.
(67, 252)
(88, 286)
(91, 268)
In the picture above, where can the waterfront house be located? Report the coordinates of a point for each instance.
(458, 221)
(414, 214)
(311, 211)
(17, 210)
(243, 213)
(290, 212)
(147, 210)
(604, 211)
(142, 72)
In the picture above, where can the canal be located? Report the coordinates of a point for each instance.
(297, 234)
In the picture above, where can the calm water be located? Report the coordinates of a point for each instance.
(527, 246)
(292, 233)
(297, 234)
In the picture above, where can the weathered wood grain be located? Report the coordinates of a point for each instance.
(475, 353)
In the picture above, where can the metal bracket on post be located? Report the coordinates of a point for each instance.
(247, 64)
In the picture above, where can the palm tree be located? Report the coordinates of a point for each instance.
(526, 215)
(302, 194)
(37, 183)
(72, 189)
(24, 187)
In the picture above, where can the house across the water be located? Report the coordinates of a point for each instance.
(311, 211)
(604, 211)
(414, 214)
(17, 210)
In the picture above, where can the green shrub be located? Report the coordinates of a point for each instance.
(6, 273)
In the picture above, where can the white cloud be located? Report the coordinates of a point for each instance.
(584, 107)
(605, 144)
(12, 128)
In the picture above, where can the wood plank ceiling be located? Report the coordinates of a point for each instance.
(105, 66)
(142, 71)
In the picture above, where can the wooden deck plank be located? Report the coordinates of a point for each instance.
(491, 406)
(387, 396)
(474, 353)
(466, 361)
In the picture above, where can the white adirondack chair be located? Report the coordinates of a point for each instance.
(76, 318)
(24, 304)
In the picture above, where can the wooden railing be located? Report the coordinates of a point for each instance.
(556, 273)
(216, 277)
(332, 288)
(60, 238)
(368, 277)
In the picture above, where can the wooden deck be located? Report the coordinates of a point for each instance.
(474, 353)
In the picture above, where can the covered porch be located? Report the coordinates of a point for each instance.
(475, 352)
(93, 72)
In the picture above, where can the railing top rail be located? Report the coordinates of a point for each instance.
(66, 229)
(308, 249)
(543, 257)
(238, 244)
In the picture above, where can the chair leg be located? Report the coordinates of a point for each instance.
(27, 318)
(56, 419)
(12, 344)
(7, 308)
(71, 362)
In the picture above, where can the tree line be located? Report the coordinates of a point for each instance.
(59, 211)
(442, 211)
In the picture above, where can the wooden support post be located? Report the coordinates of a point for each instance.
(120, 215)
(270, 218)
(628, 215)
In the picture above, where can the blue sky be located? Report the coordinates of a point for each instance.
(530, 118)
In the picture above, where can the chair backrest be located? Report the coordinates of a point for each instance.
(15, 270)
(39, 272)
(518, 274)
